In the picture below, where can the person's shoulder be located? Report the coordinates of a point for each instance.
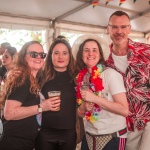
(139, 45)
(25, 82)
(2, 71)
(110, 71)
(2, 68)
(47, 83)
(20, 80)
(141, 51)
(111, 75)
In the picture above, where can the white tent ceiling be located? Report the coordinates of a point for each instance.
(78, 12)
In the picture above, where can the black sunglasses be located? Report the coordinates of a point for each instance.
(35, 54)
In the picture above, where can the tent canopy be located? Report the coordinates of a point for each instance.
(76, 12)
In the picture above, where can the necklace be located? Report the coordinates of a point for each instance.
(95, 85)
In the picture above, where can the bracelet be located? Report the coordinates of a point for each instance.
(81, 112)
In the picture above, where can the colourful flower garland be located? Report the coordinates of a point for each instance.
(96, 86)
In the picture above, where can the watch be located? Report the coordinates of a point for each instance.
(39, 109)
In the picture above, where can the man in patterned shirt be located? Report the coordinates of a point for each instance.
(132, 60)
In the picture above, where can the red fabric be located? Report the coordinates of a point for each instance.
(122, 132)
(122, 143)
(136, 79)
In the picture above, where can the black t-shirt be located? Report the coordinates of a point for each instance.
(20, 134)
(66, 116)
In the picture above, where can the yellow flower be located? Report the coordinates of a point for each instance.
(96, 74)
(79, 101)
(92, 120)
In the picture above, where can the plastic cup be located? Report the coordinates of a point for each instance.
(54, 94)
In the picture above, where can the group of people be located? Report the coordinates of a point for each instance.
(7, 53)
(114, 104)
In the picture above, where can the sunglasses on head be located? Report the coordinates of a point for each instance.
(35, 54)
(61, 39)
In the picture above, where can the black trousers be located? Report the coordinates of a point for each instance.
(56, 139)
(84, 145)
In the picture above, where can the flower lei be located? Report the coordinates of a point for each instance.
(96, 86)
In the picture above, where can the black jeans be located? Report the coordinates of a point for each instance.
(56, 139)
(84, 145)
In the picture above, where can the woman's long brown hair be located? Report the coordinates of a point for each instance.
(49, 71)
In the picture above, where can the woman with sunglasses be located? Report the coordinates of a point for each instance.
(58, 128)
(22, 107)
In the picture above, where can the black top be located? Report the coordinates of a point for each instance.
(66, 116)
(24, 131)
(2, 71)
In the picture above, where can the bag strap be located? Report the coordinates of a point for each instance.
(2, 119)
(1, 128)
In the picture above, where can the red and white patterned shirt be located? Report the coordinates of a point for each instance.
(137, 83)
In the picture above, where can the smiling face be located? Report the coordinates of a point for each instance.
(90, 54)
(118, 29)
(60, 57)
(34, 63)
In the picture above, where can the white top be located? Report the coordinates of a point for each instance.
(108, 122)
(120, 62)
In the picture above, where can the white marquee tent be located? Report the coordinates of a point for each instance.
(73, 16)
